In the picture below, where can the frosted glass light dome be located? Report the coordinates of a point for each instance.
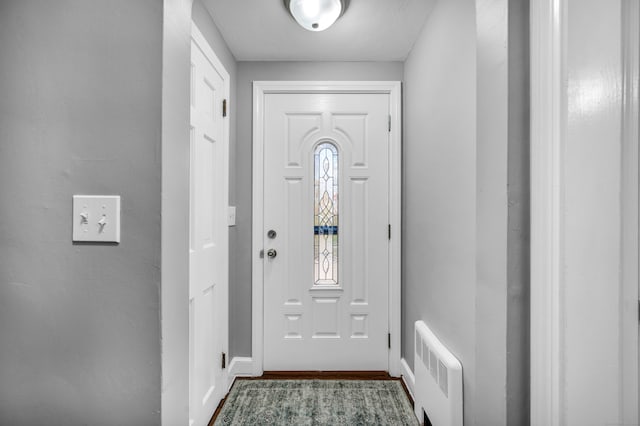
(315, 15)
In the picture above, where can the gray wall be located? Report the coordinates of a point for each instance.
(519, 219)
(80, 112)
(439, 187)
(492, 128)
(240, 292)
(466, 191)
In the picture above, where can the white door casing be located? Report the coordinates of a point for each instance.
(208, 239)
(326, 326)
(630, 241)
(584, 212)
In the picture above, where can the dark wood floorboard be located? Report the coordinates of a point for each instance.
(316, 375)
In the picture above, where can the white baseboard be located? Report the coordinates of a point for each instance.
(241, 366)
(238, 367)
(408, 377)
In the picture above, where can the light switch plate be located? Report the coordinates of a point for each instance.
(96, 218)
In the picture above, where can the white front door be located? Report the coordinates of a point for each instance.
(326, 231)
(208, 251)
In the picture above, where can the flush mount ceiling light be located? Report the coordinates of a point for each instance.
(316, 15)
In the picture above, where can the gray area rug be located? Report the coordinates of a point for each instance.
(317, 402)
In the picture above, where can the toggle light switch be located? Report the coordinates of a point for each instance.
(96, 218)
(102, 223)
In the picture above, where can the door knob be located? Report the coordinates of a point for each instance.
(272, 253)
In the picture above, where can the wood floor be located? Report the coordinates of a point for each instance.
(317, 375)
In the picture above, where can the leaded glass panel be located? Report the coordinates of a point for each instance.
(325, 223)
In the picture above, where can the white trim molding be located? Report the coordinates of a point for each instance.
(393, 88)
(562, 271)
(408, 377)
(548, 23)
(629, 224)
(239, 367)
(174, 228)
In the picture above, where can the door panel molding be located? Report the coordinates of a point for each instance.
(393, 89)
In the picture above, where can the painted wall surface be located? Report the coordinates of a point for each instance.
(439, 193)
(518, 237)
(492, 140)
(465, 229)
(80, 113)
(240, 292)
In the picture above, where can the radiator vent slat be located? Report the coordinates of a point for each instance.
(425, 355)
(433, 364)
(443, 381)
(438, 379)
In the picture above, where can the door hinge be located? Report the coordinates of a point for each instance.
(389, 340)
(224, 107)
(389, 231)
(389, 122)
(224, 360)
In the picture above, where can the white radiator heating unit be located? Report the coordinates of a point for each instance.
(438, 375)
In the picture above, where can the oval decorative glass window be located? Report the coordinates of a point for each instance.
(325, 210)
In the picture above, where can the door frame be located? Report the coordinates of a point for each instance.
(393, 89)
(548, 139)
(548, 23)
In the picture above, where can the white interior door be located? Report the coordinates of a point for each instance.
(208, 252)
(326, 231)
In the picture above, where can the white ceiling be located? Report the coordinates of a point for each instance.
(370, 30)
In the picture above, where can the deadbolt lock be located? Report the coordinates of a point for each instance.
(271, 234)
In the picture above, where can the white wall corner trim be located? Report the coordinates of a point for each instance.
(408, 377)
(548, 26)
(176, 48)
(393, 88)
